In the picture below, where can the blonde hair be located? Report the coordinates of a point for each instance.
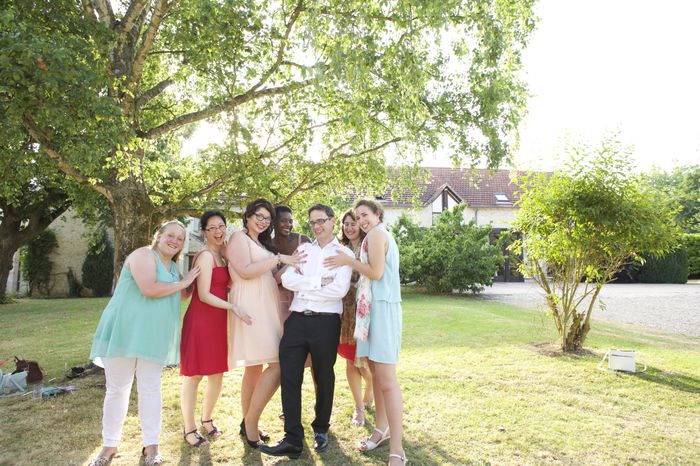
(162, 228)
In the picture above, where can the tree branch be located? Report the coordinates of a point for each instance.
(105, 13)
(153, 92)
(228, 105)
(129, 20)
(45, 142)
(283, 45)
(160, 9)
(89, 11)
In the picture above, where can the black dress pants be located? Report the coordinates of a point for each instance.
(304, 334)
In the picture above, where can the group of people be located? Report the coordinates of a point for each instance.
(272, 304)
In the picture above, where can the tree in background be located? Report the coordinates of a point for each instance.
(311, 93)
(582, 225)
(98, 266)
(452, 255)
(36, 265)
(408, 235)
(33, 193)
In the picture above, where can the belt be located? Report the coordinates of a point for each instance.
(309, 312)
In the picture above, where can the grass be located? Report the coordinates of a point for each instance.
(483, 383)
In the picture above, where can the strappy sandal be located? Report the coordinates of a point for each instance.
(264, 436)
(369, 445)
(153, 460)
(403, 458)
(358, 417)
(199, 439)
(214, 432)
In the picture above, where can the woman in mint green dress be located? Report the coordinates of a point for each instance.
(378, 325)
(138, 334)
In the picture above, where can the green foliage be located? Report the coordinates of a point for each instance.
(452, 255)
(671, 268)
(691, 242)
(36, 265)
(582, 224)
(310, 94)
(408, 235)
(75, 288)
(682, 186)
(98, 267)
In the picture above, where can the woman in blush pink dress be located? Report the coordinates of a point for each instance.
(252, 261)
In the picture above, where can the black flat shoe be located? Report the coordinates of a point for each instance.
(264, 436)
(320, 441)
(283, 448)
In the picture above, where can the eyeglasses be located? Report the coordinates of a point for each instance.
(262, 218)
(213, 229)
(319, 222)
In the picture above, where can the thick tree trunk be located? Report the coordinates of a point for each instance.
(135, 221)
(6, 254)
(20, 226)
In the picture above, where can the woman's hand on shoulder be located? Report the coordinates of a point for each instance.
(190, 276)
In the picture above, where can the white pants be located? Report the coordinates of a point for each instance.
(119, 376)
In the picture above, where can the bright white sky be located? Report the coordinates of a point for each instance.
(599, 66)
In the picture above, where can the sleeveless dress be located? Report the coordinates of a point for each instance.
(204, 345)
(384, 342)
(133, 326)
(347, 345)
(258, 343)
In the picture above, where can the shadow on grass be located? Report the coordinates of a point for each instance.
(670, 379)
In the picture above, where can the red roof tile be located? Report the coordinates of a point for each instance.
(476, 187)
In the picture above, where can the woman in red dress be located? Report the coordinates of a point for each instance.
(351, 236)
(204, 343)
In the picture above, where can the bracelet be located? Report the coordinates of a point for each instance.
(279, 261)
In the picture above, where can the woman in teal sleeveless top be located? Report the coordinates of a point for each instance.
(378, 325)
(137, 335)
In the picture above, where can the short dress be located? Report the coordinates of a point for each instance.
(134, 326)
(347, 345)
(384, 342)
(255, 344)
(204, 343)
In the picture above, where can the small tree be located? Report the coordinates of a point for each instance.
(457, 255)
(581, 225)
(36, 265)
(408, 234)
(98, 268)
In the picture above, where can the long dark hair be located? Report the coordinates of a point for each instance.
(265, 237)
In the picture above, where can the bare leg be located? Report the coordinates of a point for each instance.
(268, 383)
(385, 382)
(251, 375)
(211, 396)
(368, 397)
(355, 383)
(188, 401)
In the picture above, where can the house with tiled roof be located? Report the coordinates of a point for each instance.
(490, 196)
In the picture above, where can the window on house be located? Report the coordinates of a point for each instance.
(500, 197)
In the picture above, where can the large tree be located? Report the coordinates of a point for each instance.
(32, 195)
(581, 225)
(311, 92)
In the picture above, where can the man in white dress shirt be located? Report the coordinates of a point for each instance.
(312, 328)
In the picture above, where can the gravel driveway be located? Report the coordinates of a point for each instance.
(671, 308)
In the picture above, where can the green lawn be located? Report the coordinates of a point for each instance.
(483, 383)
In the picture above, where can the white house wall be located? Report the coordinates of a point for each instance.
(499, 217)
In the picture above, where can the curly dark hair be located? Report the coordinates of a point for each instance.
(209, 214)
(265, 237)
